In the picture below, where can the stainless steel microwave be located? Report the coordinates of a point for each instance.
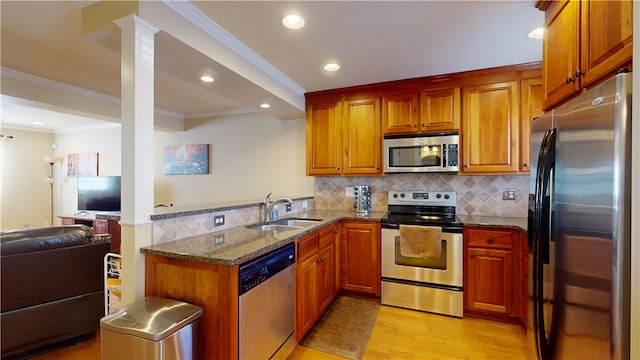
(437, 153)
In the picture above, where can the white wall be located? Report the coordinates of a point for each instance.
(104, 141)
(250, 156)
(24, 195)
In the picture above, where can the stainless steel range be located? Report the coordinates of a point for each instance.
(426, 281)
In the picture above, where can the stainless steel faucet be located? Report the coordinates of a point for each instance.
(271, 212)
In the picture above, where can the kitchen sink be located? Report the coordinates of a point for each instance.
(273, 227)
(299, 222)
(285, 224)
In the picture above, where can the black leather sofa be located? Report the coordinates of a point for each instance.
(52, 287)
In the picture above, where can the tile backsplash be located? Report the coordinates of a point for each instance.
(476, 195)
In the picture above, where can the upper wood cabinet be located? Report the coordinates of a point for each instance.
(400, 114)
(490, 128)
(584, 42)
(531, 102)
(440, 110)
(324, 140)
(362, 139)
(344, 137)
(430, 110)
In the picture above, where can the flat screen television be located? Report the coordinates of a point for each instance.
(99, 193)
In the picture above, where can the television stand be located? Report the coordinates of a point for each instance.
(99, 226)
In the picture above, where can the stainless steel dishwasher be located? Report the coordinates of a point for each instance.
(266, 305)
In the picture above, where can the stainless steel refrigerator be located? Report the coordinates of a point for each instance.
(580, 227)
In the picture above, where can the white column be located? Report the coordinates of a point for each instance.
(137, 54)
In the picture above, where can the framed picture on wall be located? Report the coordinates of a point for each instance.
(85, 164)
(186, 159)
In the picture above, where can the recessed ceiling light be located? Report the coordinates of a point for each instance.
(332, 67)
(293, 21)
(265, 105)
(39, 123)
(536, 33)
(206, 78)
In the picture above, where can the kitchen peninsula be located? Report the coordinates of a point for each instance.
(204, 269)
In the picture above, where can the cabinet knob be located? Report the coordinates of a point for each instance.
(472, 255)
(569, 80)
(414, 125)
(489, 240)
(526, 164)
(466, 165)
(579, 73)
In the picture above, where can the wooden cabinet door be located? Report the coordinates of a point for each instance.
(325, 276)
(324, 140)
(440, 110)
(560, 51)
(606, 39)
(362, 137)
(306, 296)
(531, 102)
(490, 128)
(360, 257)
(490, 280)
(400, 114)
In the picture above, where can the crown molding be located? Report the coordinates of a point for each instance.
(94, 95)
(199, 19)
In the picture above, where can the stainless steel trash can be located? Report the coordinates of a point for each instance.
(153, 328)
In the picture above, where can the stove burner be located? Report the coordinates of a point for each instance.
(417, 207)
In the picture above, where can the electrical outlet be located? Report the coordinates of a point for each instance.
(305, 204)
(508, 194)
(288, 207)
(218, 239)
(218, 220)
(349, 192)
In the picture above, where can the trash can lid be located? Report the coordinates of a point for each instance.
(152, 318)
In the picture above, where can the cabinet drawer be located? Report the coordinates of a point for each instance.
(307, 247)
(498, 239)
(326, 236)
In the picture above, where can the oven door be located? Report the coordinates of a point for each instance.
(445, 271)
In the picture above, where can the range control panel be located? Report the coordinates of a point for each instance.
(422, 197)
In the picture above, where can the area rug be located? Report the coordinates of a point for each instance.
(345, 327)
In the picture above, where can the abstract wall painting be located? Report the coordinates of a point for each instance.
(85, 164)
(186, 159)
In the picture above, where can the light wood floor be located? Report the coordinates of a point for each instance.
(397, 334)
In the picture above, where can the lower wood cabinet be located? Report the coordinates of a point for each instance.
(315, 277)
(493, 273)
(360, 257)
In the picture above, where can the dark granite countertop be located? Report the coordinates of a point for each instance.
(175, 211)
(169, 212)
(519, 223)
(240, 244)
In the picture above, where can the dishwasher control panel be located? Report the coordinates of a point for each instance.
(259, 270)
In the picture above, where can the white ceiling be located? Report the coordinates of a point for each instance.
(374, 41)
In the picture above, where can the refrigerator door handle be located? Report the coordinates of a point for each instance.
(541, 238)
